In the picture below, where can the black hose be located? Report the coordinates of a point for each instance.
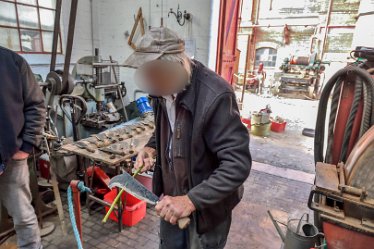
(364, 84)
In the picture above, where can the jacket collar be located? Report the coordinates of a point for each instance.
(187, 97)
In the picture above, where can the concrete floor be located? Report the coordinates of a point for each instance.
(283, 191)
(289, 149)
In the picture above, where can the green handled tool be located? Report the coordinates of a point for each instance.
(136, 189)
(115, 201)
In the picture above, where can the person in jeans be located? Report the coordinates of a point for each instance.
(200, 144)
(22, 118)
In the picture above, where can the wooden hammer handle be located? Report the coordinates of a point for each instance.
(184, 222)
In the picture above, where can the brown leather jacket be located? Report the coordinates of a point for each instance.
(211, 157)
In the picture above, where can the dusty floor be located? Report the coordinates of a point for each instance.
(290, 148)
(268, 188)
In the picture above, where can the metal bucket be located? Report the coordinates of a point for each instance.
(300, 234)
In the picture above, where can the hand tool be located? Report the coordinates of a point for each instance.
(135, 188)
(119, 195)
(115, 152)
(84, 146)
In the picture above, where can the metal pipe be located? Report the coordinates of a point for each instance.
(56, 32)
(106, 86)
(119, 90)
(295, 25)
(100, 201)
(245, 69)
(220, 37)
(329, 10)
(98, 71)
(255, 10)
(70, 40)
(92, 26)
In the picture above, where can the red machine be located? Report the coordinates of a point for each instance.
(343, 194)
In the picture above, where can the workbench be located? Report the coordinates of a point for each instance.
(113, 148)
(115, 145)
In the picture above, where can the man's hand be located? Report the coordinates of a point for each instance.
(145, 157)
(20, 155)
(171, 209)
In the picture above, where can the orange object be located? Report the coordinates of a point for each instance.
(338, 237)
(100, 181)
(44, 167)
(227, 38)
(247, 121)
(133, 212)
(278, 127)
(99, 174)
(77, 205)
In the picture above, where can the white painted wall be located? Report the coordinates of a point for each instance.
(106, 25)
(82, 40)
(113, 21)
(363, 35)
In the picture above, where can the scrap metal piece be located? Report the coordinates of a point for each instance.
(111, 151)
(83, 145)
(133, 187)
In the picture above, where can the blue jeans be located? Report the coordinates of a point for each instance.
(15, 196)
(171, 237)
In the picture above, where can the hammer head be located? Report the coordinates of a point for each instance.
(133, 187)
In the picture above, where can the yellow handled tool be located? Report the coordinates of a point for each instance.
(115, 201)
(135, 188)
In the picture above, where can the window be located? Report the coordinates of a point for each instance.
(267, 56)
(26, 26)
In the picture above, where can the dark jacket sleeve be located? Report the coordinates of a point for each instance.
(152, 141)
(228, 139)
(34, 109)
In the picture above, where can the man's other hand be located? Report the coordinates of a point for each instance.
(171, 209)
(145, 157)
(20, 155)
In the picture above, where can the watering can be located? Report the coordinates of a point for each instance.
(300, 234)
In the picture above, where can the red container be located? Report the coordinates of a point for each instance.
(338, 237)
(278, 127)
(133, 212)
(247, 121)
(44, 166)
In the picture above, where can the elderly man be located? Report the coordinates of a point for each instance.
(22, 115)
(201, 147)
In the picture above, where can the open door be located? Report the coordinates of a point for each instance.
(227, 36)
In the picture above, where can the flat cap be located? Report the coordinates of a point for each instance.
(155, 43)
